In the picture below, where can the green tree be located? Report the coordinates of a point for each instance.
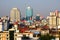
(46, 37)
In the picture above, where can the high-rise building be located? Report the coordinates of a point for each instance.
(52, 14)
(58, 20)
(52, 20)
(15, 14)
(37, 17)
(6, 25)
(29, 13)
(5, 22)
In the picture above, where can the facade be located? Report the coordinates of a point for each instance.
(15, 27)
(6, 25)
(5, 20)
(52, 20)
(15, 14)
(58, 19)
(37, 17)
(4, 35)
(29, 13)
(44, 22)
(11, 34)
(1, 25)
(19, 36)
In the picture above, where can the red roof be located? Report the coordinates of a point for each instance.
(22, 29)
(23, 20)
(15, 23)
(1, 20)
(45, 27)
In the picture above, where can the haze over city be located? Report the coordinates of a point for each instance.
(43, 7)
(29, 19)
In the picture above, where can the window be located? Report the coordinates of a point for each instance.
(0, 34)
(7, 34)
(0, 38)
(7, 39)
(15, 34)
(15, 38)
(34, 35)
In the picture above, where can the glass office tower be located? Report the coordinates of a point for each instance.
(29, 13)
(37, 17)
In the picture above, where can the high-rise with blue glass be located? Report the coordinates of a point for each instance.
(29, 13)
(37, 17)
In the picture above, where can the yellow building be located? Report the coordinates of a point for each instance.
(52, 19)
(4, 35)
(52, 14)
(18, 36)
(58, 19)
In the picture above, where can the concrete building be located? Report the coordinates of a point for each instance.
(58, 20)
(44, 21)
(15, 15)
(4, 35)
(19, 36)
(52, 14)
(16, 26)
(6, 24)
(52, 20)
(44, 32)
(5, 20)
(1, 25)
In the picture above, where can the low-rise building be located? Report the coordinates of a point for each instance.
(18, 36)
(4, 35)
(1, 25)
(44, 32)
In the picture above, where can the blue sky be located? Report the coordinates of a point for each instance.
(43, 7)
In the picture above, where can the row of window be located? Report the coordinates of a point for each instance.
(4, 38)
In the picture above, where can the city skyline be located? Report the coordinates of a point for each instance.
(43, 7)
(29, 20)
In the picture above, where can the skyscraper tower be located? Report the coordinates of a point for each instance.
(37, 17)
(15, 15)
(29, 13)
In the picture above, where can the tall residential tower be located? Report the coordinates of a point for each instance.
(15, 15)
(54, 19)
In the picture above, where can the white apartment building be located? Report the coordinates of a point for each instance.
(1, 25)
